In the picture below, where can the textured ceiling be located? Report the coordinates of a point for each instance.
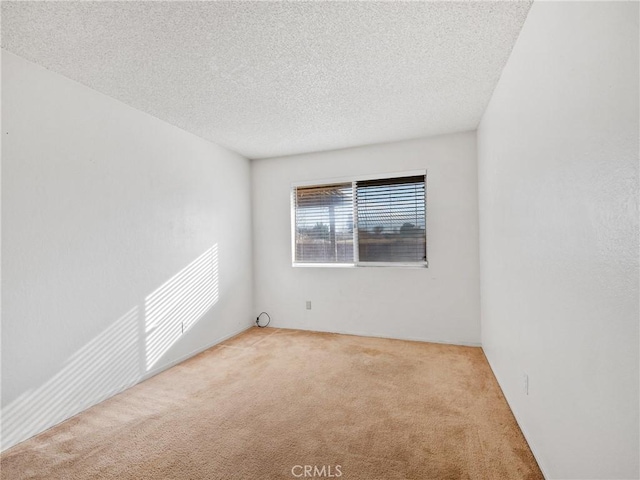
(277, 78)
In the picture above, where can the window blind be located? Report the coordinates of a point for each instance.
(391, 220)
(324, 224)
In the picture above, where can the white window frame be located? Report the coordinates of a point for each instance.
(356, 263)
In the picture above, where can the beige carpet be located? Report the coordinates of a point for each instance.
(267, 403)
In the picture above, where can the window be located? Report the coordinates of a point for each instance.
(372, 221)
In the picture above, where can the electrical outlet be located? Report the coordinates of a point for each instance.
(525, 383)
(308, 304)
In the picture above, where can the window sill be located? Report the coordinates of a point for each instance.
(363, 265)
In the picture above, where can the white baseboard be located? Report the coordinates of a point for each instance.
(526, 435)
(374, 335)
(193, 353)
(126, 386)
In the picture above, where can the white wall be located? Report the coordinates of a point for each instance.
(440, 303)
(558, 190)
(102, 205)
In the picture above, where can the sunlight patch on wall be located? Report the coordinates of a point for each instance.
(118, 357)
(175, 306)
(104, 366)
